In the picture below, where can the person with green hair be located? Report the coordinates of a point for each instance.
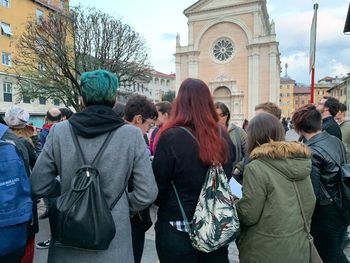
(124, 159)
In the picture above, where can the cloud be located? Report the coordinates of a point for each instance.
(339, 69)
(332, 46)
(298, 66)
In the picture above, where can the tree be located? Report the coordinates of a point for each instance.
(168, 96)
(53, 52)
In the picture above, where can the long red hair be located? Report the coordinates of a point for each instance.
(194, 108)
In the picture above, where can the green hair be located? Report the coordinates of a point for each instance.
(99, 87)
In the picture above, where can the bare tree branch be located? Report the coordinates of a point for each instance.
(54, 53)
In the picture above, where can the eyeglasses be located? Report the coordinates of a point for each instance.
(149, 122)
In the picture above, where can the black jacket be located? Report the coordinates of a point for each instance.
(324, 169)
(331, 126)
(176, 158)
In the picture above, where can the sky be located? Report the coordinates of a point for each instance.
(158, 21)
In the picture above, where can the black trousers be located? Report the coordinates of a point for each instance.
(140, 223)
(328, 229)
(174, 246)
(14, 257)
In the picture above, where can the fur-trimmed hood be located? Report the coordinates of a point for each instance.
(279, 150)
(291, 159)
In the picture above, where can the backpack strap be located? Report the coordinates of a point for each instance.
(3, 129)
(188, 131)
(81, 154)
(183, 214)
(96, 159)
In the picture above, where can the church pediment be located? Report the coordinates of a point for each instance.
(205, 5)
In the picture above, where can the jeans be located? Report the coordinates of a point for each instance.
(328, 229)
(14, 257)
(174, 246)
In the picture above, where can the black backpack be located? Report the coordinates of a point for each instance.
(81, 218)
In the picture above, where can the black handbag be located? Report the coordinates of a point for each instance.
(81, 217)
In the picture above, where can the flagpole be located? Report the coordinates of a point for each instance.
(313, 52)
(312, 84)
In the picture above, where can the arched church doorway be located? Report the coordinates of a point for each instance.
(223, 94)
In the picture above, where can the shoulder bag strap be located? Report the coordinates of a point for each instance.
(323, 188)
(188, 131)
(328, 155)
(307, 229)
(187, 225)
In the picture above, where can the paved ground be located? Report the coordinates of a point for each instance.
(149, 255)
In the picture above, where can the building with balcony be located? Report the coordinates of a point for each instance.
(14, 15)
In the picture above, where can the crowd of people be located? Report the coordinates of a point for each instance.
(143, 151)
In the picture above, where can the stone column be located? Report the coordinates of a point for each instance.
(273, 89)
(253, 82)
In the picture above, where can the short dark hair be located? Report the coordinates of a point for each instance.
(140, 105)
(342, 107)
(262, 129)
(66, 112)
(307, 119)
(271, 108)
(53, 118)
(119, 109)
(164, 107)
(225, 111)
(332, 104)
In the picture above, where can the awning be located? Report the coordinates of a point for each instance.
(347, 23)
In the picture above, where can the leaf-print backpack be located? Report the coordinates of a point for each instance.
(215, 222)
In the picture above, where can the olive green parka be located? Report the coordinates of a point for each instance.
(271, 221)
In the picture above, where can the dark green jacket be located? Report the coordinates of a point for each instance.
(269, 212)
(345, 131)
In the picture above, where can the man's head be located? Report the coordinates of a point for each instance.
(163, 109)
(98, 88)
(66, 113)
(268, 107)
(53, 115)
(140, 112)
(340, 117)
(328, 106)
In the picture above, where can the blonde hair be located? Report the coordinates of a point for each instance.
(25, 133)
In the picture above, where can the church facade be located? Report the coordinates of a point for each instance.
(232, 47)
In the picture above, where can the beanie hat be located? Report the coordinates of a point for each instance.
(16, 117)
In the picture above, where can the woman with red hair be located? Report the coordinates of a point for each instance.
(184, 160)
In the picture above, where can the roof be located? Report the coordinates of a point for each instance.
(301, 90)
(287, 79)
(159, 74)
(327, 78)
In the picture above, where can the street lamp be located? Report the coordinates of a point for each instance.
(347, 23)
